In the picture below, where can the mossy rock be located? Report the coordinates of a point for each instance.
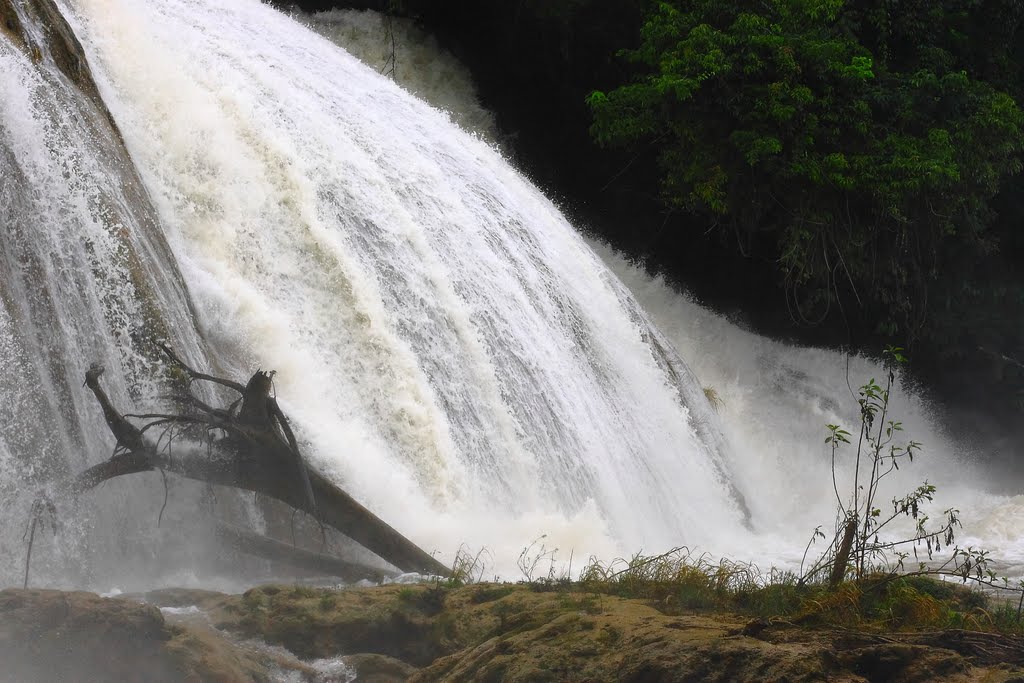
(48, 636)
(473, 633)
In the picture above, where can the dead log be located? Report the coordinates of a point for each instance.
(271, 549)
(842, 560)
(254, 450)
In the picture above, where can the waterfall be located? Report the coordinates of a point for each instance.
(85, 276)
(396, 47)
(450, 350)
(776, 399)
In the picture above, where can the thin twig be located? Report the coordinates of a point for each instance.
(200, 375)
(31, 538)
(160, 517)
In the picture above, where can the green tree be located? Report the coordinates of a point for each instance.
(856, 146)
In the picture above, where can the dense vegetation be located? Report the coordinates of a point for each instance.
(678, 582)
(860, 167)
(843, 172)
(858, 146)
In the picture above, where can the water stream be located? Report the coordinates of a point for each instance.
(452, 351)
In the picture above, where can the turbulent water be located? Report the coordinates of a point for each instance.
(451, 351)
(85, 276)
(397, 48)
(774, 399)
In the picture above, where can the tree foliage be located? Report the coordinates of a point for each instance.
(858, 145)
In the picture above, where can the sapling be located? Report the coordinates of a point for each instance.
(859, 546)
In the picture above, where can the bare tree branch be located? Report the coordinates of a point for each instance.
(257, 451)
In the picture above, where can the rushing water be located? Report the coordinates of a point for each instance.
(775, 402)
(775, 398)
(85, 276)
(399, 49)
(452, 352)
(455, 355)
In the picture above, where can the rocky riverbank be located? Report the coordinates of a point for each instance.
(482, 632)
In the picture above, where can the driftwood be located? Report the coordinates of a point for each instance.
(268, 548)
(248, 445)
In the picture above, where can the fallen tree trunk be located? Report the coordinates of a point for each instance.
(271, 549)
(255, 451)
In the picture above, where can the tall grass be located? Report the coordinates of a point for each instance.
(682, 581)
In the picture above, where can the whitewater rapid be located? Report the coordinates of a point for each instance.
(452, 351)
(775, 398)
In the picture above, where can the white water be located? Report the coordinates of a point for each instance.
(398, 48)
(777, 398)
(776, 401)
(453, 353)
(84, 275)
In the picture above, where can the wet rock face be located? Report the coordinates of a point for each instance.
(10, 24)
(476, 633)
(57, 41)
(50, 636)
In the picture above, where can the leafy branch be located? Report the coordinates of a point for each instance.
(858, 547)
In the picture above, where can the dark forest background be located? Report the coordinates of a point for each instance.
(833, 173)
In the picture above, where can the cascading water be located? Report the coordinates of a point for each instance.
(85, 276)
(453, 353)
(775, 399)
(398, 48)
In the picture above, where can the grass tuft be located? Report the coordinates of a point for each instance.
(680, 581)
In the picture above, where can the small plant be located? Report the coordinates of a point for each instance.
(858, 548)
(533, 558)
(675, 580)
(466, 567)
(711, 394)
(681, 581)
(327, 601)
